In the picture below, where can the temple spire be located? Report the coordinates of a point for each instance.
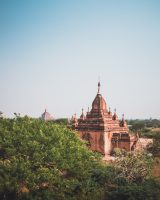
(123, 122)
(109, 110)
(82, 115)
(115, 115)
(99, 85)
(82, 111)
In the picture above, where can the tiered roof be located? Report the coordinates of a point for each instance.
(100, 118)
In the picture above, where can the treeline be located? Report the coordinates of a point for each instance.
(146, 123)
(45, 160)
(134, 124)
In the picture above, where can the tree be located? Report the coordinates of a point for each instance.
(133, 179)
(43, 160)
(133, 167)
(149, 190)
(155, 148)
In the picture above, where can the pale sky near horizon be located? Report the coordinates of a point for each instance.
(53, 51)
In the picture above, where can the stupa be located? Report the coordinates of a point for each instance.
(46, 116)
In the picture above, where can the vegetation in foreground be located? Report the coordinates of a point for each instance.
(40, 160)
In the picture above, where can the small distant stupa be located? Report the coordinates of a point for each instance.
(46, 116)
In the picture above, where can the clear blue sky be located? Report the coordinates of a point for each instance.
(52, 52)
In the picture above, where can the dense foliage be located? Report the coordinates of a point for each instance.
(155, 148)
(149, 190)
(62, 121)
(133, 167)
(44, 160)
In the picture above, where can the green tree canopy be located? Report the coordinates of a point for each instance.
(44, 160)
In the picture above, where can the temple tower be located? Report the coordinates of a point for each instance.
(102, 130)
(46, 116)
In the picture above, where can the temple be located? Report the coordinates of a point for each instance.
(103, 130)
(46, 116)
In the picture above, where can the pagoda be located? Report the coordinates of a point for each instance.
(46, 116)
(102, 130)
